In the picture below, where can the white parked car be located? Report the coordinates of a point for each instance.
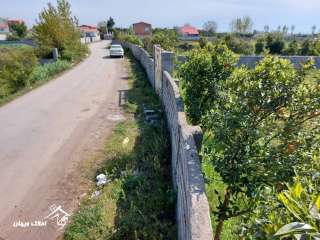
(116, 50)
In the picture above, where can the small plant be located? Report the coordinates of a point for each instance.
(44, 72)
(291, 214)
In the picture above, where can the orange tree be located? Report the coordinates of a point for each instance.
(200, 76)
(259, 124)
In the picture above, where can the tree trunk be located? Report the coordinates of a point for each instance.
(222, 219)
(219, 230)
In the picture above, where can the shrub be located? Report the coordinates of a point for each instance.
(275, 43)
(167, 39)
(147, 45)
(292, 49)
(133, 39)
(203, 42)
(308, 48)
(186, 46)
(238, 45)
(16, 67)
(259, 46)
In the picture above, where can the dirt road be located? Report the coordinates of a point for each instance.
(44, 136)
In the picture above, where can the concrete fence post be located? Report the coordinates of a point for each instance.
(55, 54)
(167, 63)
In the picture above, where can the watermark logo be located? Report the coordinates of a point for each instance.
(58, 214)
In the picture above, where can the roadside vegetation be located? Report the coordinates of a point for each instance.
(138, 201)
(20, 68)
(261, 147)
(57, 28)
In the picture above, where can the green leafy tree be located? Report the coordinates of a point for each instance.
(242, 25)
(308, 48)
(56, 28)
(18, 29)
(103, 27)
(199, 77)
(110, 24)
(259, 125)
(210, 28)
(293, 48)
(238, 45)
(275, 43)
(166, 38)
(259, 46)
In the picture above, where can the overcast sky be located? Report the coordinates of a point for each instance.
(168, 13)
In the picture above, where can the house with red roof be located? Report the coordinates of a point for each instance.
(89, 33)
(189, 33)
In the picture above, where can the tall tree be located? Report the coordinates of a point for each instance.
(313, 30)
(279, 29)
(247, 24)
(110, 24)
(242, 25)
(293, 27)
(57, 28)
(18, 29)
(285, 29)
(102, 27)
(210, 27)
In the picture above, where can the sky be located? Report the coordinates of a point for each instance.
(168, 13)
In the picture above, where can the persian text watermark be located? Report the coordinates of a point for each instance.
(56, 215)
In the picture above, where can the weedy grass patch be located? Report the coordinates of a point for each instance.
(138, 202)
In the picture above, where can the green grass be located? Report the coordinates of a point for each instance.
(16, 46)
(45, 72)
(139, 202)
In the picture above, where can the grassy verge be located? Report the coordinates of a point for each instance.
(42, 74)
(138, 202)
(39, 75)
